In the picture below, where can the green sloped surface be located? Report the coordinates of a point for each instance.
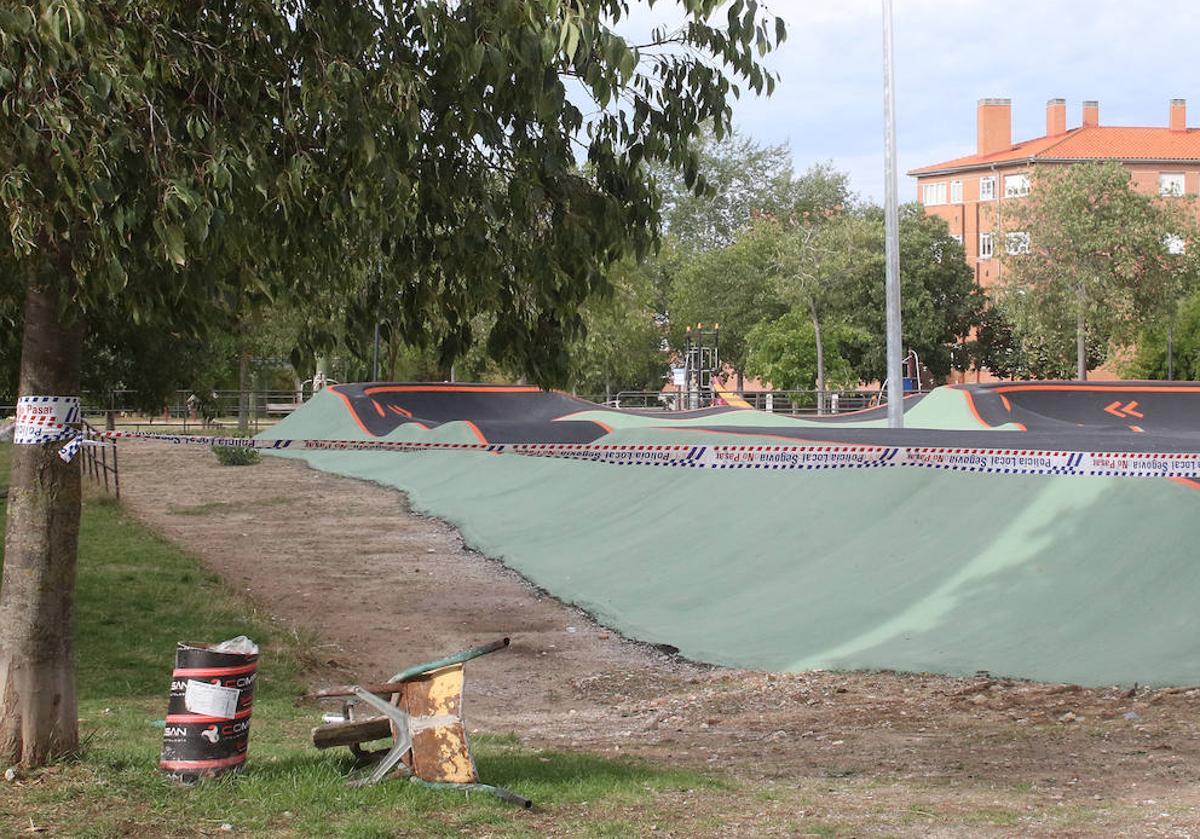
(1087, 580)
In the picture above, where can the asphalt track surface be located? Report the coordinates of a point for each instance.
(1048, 416)
(1159, 408)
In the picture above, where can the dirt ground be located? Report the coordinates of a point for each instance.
(380, 588)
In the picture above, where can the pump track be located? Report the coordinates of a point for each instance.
(1090, 580)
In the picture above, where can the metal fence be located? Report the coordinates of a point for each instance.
(96, 464)
(187, 411)
(793, 402)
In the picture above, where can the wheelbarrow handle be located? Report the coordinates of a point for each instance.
(417, 670)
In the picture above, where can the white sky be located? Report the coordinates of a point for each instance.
(1133, 57)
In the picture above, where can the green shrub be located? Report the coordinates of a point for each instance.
(236, 455)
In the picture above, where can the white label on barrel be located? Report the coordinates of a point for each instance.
(210, 700)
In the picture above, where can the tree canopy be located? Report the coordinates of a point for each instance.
(1182, 330)
(180, 165)
(1088, 256)
(784, 353)
(742, 180)
(730, 286)
(192, 156)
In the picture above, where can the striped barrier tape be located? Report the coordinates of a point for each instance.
(49, 419)
(780, 457)
(45, 419)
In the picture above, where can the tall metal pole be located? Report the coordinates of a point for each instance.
(895, 377)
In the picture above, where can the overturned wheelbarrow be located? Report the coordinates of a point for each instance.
(420, 709)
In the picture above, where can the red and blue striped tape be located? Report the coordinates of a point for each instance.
(803, 457)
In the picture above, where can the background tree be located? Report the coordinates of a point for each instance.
(785, 353)
(1094, 264)
(731, 286)
(740, 178)
(994, 346)
(814, 261)
(1177, 270)
(1150, 359)
(623, 347)
(730, 283)
(743, 180)
(169, 160)
(939, 305)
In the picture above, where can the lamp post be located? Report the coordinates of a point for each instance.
(895, 378)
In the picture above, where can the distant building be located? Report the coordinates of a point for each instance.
(970, 192)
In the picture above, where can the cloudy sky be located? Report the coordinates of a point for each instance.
(1132, 57)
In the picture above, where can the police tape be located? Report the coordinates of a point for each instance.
(801, 456)
(48, 419)
(45, 419)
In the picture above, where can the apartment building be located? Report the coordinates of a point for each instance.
(970, 192)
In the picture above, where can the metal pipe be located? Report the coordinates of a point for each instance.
(500, 792)
(895, 390)
(388, 687)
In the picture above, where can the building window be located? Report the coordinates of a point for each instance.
(1170, 183)
(1174, 244)
(1015, 243)
(956, 192)
(987, 188)
(956, 237)
(1016, 186)
(985, 246)
(935, 194)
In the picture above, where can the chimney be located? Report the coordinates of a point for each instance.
(1178, 115)
(1056, 117)
(993, 125)
(1091, 112)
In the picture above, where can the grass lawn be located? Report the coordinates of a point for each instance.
(138, 595)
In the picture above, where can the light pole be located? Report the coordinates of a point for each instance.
(895, 377)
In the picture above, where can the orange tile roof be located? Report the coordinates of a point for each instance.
(1093, 142)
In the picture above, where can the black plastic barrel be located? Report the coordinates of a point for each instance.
(196, 745)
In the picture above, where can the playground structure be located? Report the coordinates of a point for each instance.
(701, 363)
(1088, 580)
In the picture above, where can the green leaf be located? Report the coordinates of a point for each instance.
(571, 40)
(173, 242)
(103, 189)
(629, 60)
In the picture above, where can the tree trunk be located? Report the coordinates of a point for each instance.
(1171, 349)
(816, 322)
(1080, 343)
(393, 356)
(244, 392)
(375, 354)
(38, 720)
